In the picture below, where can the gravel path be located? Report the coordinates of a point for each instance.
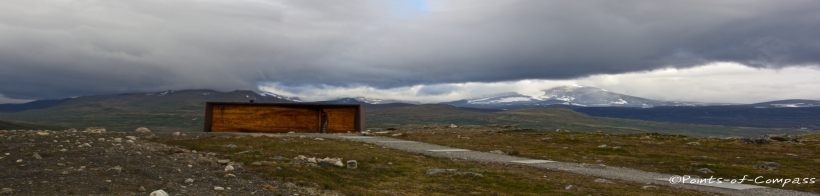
(609, 172)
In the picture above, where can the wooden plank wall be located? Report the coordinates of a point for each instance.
(341, 120)
(271, 119)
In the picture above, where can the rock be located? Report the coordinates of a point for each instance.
(705, 170)
(95, 130)
(159, 193)
(129, 142)
(19, 160)
(217, 188)
(693, 143)
(6, 191)
(352, 164)
(189, 181)
(131, 137)
(223, 161)
(256, 163)
(338, 163)
(229, 176)
(602, 146)
(616, 147)
(435, 171)
(497, 152)
(366, 134)
(142, 189)
(603, 181)
(771, 163)
(229, 168)
(101, 139)
(230, 146)
(300, 157)
(312, 160)
(320, 139)
(175, 134)
(3, 131)
(569, 187)
(117, 169)
(117, 140)
(142, 130)
(41, 133)
(37, 156)
(647, 187)
(453, 126)
(397, 134)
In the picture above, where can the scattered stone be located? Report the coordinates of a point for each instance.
(63, 150)
(117, 169)
(256, 163)
(142, 130)
(616, 147)
(230, 146)
(19, 160)
(229, 168)
(189, 181)
(117, 140)
(159, 193)
(217, 188)
(3, 131)
(175, 134)
(41, 133)
(705, 170)
(397, 134)
(569, 187)
(602, 146)
(131, 137)
(37, 156)
(352, 164)
(453, 126)
(312, 160)
(603, 181)
(142, 189)
(771, 163)
(647, 187)
(6, 191)
(790, 154)
(320, 139)
(95, 130)
(230, 175)
(129, 141)
(693, 143)
(101, 139)
(223, 161)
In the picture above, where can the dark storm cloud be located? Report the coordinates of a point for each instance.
(54, 49)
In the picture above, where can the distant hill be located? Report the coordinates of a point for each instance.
(39, 104)
(8, 125)
(370, 104)
(765, 115)
(161, 111)
(549, 119)
(565, 95)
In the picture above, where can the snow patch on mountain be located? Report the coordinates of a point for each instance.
(270, 94)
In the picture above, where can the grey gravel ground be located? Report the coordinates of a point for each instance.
(609, 172)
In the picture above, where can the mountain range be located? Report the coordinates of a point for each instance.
(184, 110)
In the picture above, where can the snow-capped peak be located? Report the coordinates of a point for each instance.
(270, 94)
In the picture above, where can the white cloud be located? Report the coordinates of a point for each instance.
(716, 82)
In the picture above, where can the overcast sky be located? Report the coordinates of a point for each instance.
(736, 51)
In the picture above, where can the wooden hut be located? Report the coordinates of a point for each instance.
(283, 117)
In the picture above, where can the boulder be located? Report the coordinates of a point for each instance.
(142, 130)
(693, 143)
(453, 126)
(352, 164)
(175, 134)
(159, 193)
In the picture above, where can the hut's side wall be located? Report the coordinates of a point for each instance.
(264, 119)
(341, 120)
